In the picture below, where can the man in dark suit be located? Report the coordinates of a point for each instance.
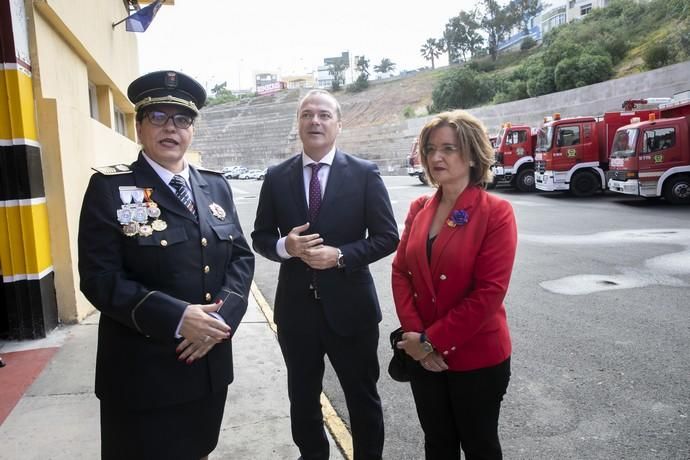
(325, 216)
(163, 257)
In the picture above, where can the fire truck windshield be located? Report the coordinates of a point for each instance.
(499, 138)
(544, 138)
(624, 143)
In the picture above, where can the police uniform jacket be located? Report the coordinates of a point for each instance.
(142, 285)
(457, 298)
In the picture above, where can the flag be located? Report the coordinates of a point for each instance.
(140, 21)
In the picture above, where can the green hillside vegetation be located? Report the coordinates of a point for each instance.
(624, 38)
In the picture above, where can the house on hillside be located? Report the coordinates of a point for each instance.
(299, 81)
(559, 12)
(537, 26)
(553, 18)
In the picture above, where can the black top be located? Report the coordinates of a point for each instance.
(429, 244)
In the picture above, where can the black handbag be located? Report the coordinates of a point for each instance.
(401, 363)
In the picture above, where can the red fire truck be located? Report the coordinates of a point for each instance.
(414, 164)
(514, 155)
(572, 154)
(651, 158)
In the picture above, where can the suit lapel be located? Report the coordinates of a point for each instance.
(466, 202)
(296, 175)
(202, 195)
(336, 180)
(422, 224)
(146, 177)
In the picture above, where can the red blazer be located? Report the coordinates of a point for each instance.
(458, 298)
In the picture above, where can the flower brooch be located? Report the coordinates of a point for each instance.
(458, 217)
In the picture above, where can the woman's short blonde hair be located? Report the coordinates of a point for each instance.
(473, 142)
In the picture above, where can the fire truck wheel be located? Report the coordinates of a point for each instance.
(677, 190)
(524, 181)
(422, 179)
(584, 183)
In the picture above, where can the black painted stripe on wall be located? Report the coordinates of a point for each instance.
(7, 51)
(21, 174)
(31, 307)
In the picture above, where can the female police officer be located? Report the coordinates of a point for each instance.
(163, 257)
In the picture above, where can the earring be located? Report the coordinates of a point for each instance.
(471, 164)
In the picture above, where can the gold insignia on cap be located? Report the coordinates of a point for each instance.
(171, 80)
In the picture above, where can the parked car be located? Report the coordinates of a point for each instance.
(235, 172)
(251, 174)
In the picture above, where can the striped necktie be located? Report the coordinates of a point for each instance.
(182, 194)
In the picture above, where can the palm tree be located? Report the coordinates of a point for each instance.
(385, 66)
(431, 50)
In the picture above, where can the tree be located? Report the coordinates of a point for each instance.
(220, 94)
(461, 88)
(430, 51)
(337, 69)
(524, 10)
(583, 70)
(385, 66)
(362, 82)
(496, 22)
(362, 66)
(470, 41)
(657, 55)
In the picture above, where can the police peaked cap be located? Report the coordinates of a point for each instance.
(166, 87)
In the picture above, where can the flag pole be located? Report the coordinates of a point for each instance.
(115, 24)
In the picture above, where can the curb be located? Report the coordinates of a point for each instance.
(336, 426)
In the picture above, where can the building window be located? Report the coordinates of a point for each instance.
(120, 122)
(585, 9)
(571, 4)
(93, 101)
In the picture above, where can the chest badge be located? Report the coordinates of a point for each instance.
(217, 211)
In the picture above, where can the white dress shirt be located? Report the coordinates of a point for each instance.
(323, 173)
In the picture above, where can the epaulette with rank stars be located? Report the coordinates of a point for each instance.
(206, 170)
(113, 170)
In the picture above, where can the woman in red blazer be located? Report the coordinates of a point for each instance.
(450, 276)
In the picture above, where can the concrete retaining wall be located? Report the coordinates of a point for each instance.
(263, 132)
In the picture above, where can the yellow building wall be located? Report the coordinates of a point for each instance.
(71, 47)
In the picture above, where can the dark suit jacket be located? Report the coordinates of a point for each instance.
(458, 297)
(142, 285)
(355, 216)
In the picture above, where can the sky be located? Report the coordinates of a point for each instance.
(231, 40)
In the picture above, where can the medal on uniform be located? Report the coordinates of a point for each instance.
(145, 230)
(124, 216)
(139, 215)
(217, 211)
(131, 229)
(126, 194)
(153, 211)
(159, 225)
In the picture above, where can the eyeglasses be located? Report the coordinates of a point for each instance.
(180, 120)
